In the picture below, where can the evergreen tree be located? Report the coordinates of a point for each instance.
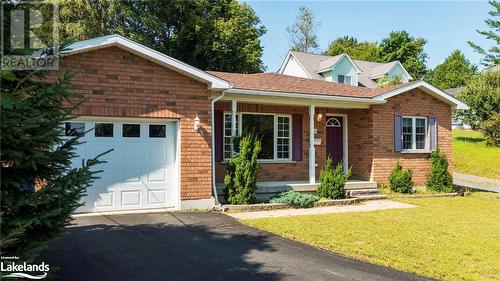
(492, 55)
(241, 171)
(302, 33)
(454, 72)
(35, 155)
(439, 179)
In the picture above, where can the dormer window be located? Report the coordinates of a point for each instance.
(344, 79)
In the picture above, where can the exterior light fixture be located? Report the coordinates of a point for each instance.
(319, 116)
(196, 126)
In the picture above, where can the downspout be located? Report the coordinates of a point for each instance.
(214, 187)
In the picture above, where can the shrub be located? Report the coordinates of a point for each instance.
(296, 199)
(332, 181)
(491, 130)
(400, 180)
(241, 172)
(439, 179)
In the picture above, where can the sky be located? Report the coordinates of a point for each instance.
(447, 26)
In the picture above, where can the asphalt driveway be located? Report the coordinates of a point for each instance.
(195, 246)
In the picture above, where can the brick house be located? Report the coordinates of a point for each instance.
(158, 115)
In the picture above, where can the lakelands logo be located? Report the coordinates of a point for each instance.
(11, 268)
(30, 35)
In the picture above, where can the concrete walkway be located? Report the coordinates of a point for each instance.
(476, 182)
(363, 207)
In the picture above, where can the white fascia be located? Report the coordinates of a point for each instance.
(149, 54)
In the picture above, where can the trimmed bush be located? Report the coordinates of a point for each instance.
(296, 199)
(241, 172)
(400, 180)
(439, 179)
(332, 181)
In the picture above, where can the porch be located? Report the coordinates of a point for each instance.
(297, 139)
(267, 189)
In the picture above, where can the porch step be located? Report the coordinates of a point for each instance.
(372, 197)
(360, 192)
(360, 184)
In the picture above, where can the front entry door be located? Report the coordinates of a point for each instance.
(335, 139)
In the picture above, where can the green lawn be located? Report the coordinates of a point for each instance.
(472, 156)
(446, 238)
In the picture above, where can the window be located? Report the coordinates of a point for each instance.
(283, 138)
(274, 130)
(74, 129)
(103, 130)
(344, 79)
(414, 133)
(262, 126)
(157, 131)
(131, 131)
(227, 134)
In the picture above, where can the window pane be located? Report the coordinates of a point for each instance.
(348, 80)
(131, 130)
(420, 132)
(103, 130)
(420, 141)
(227, 134)
(340, 79)
(157, 131)
(283, 138)
(407, 125)
(74, 129)
(407, 141)
(262, 126)
(420, 126)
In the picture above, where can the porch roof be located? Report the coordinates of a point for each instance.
(275, 82)
(284, 86)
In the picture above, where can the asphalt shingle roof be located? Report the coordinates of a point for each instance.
(275, 82)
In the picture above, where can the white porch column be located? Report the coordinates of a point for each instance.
(312, 153)
(234, 107)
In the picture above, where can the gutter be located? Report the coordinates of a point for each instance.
(214, 187)
(304, 96)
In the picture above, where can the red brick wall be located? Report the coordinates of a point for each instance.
(415, 103)
(118, 83)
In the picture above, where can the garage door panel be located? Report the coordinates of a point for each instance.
(105, 200)
(140, 172)
(131, 152)
(130, 198)
(157, 197)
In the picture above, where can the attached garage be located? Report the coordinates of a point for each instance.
(141, 171)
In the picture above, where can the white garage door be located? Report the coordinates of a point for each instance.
(140, 172)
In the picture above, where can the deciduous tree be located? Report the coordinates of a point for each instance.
(454, 72)
(365, 50)
(407, 50)
(302, 33)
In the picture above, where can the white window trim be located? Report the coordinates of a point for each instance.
(414, 148)
(275, 143)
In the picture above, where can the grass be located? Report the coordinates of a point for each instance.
(472, 156)
(446, 238)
